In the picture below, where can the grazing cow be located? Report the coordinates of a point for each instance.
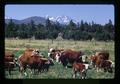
(81, 68)
(70, 56)
(44, 64)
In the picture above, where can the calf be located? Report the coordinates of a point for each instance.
(107, 65)
(44, 64)
(81, 68)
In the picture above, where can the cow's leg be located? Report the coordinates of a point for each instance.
(31, 71)
(9, 71)
(40, 68)
(25, 73)
(74, 74)
(105, 69)
(109, 69)
(95, 66)
(97, 69)
(66, 67)
(83, 74)
(65, 64)
(100, 67)
(59, 62)
(23, 69)
(47, 68)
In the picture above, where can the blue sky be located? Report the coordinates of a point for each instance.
(97, 13)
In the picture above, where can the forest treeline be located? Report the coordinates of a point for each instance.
(79, 31)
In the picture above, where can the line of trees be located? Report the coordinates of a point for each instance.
(79, 31)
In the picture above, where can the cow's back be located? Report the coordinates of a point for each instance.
(104, 55)
(78, 66)
(73, 54)
(24, 58)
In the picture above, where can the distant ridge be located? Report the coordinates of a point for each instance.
(41, 20)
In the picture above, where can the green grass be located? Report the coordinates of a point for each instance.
(58, 71)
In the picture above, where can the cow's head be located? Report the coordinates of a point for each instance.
(35, 52)
(55, 54)
(50, 61)
(85, 59)
(57, 57)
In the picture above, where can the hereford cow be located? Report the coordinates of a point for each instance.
(26, 58)
(32, 59)
(104, 55)
(70, 56)
(99, 59)
(81, 68)
(99, 55)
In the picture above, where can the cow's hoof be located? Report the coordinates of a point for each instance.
(73, 76)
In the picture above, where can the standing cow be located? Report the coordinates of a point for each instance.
(70, 56)
(101, 60)
(26, 59)
(80, 68)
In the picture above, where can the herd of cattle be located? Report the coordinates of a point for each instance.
(35, 61)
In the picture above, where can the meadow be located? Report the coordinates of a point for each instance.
(17, 46)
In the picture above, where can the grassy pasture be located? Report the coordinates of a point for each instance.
(57, 71)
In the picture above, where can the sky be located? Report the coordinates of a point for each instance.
(98, 13)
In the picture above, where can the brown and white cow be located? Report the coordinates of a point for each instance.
(32, 59)
(101, 60)
(70, 56)
(26, 58)
(54, 54)
(81, 68)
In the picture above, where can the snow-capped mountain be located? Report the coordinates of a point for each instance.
(60, 19)
(63, 19)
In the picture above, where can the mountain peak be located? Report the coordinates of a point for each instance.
(61, 19)
(37, 19)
